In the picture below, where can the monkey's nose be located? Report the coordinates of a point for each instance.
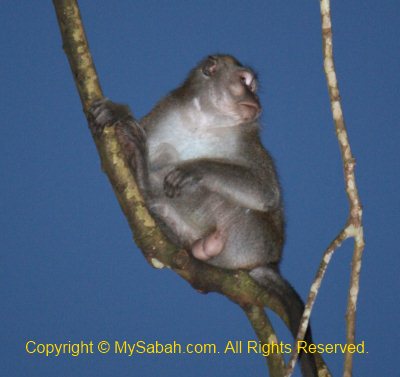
(246, 77)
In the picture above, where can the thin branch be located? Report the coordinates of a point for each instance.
(323, 371)
(76, 48)
(266, 335)
(353, 226)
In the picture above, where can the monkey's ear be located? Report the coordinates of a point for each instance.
(210, 66)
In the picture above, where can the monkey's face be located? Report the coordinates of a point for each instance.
(242, 87)
(231, 89)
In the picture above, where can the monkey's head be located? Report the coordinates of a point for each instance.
(227, 89)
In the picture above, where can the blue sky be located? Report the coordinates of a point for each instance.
(69, 270)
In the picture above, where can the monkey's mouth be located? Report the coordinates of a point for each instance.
(249, 110)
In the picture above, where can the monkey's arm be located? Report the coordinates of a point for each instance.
(235, 182)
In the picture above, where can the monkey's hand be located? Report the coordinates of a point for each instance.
(105, 113)
(129, 133)
(181, 177)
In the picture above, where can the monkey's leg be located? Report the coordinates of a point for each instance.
(186, 232)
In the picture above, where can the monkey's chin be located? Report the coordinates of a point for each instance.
(249, 111)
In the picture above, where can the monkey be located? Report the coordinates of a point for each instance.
(207, 179)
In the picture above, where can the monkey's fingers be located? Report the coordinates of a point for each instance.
(179, 178)
(172, 183)
(105, 113)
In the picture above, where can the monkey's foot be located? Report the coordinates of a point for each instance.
(210, 246)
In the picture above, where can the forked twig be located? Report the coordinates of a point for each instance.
(353, 227)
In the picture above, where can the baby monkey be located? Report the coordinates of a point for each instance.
(206, 178)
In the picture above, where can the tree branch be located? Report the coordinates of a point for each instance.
(353, 227)
(265, 333)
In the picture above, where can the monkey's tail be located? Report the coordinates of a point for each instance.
(270, 278)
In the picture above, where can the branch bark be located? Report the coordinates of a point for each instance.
(235, 285)
(353, 227)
